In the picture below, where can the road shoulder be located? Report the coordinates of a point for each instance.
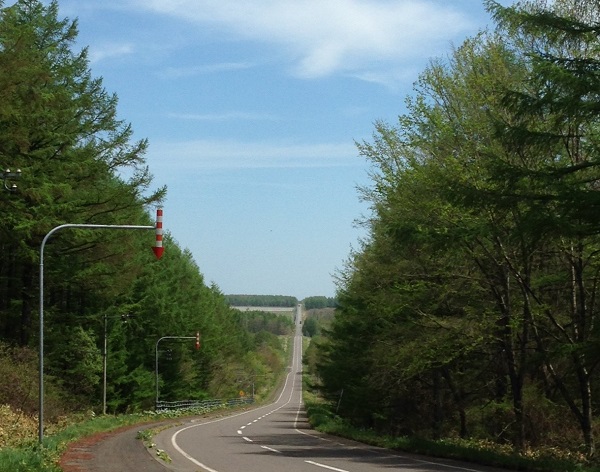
(116, 450)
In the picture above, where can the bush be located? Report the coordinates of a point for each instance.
(16, 427)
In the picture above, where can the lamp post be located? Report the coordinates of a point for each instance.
(104, 362)
(156, 358)
(41, 335)
(8, 177)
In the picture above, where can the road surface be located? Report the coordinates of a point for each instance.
(276, 438)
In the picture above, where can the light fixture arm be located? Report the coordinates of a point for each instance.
(8, 178)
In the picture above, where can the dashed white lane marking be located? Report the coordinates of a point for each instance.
(325, 466)
(239, 431)
(271, 449)
(247, 439)
(204, 466)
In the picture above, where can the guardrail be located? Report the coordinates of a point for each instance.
(205, 405)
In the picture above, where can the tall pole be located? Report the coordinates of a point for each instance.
(41, 336)
(104, 361)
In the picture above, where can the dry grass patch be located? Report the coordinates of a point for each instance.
(16, 427)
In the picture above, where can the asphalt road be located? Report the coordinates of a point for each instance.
(271, 438)
(276, 438)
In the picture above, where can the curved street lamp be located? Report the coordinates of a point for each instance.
(8, 177)
(41, 335)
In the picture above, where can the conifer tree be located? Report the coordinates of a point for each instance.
(59, 125)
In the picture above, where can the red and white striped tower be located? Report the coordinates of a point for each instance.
(158, 247)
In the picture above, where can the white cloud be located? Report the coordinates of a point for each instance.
(321, 37)
(206, 154)
(106, 51)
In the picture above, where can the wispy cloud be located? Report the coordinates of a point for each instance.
(322, 37)
(392, 78)
(179, 72)
(101, 52)
(228, 116)
(208, 154)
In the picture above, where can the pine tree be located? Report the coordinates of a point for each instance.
(59, 126)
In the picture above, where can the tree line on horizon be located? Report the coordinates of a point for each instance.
(60, 126)
(262, 300)
(473, 302)
(309, 303)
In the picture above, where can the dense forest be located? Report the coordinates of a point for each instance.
(262, 300)
(101, 286)
(472, 304)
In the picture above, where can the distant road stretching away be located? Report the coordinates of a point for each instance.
(277, 438)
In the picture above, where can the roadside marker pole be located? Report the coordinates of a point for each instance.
(158, 247)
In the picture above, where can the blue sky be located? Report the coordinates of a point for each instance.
(252, 108)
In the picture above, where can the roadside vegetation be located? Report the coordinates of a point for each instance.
(469, 314)
(25, 455)
(324, 416)
(19, 448)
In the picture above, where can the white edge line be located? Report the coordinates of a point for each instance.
(325, 466)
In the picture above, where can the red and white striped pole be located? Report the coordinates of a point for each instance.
(158, 247)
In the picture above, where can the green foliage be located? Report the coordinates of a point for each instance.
(262, 300)
(322, 418)
(257, 321)
(18, 369)
(477, 283)
(310, 327)
(76, 361)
